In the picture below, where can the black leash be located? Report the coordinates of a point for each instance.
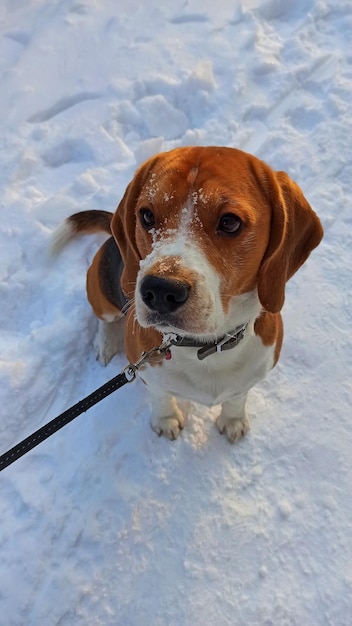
(127, 375)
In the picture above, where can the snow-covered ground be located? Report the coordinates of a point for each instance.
(106, 524)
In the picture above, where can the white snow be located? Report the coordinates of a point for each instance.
(104, 523)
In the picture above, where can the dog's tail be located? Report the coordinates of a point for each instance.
(82, 223)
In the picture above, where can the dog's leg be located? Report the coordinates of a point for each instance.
(108, 340)
(233, 421)
(166, 419)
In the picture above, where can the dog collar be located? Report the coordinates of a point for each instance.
(228, 341)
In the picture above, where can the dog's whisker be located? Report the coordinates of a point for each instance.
(126, 308)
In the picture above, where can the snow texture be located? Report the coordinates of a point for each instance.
(105, 524)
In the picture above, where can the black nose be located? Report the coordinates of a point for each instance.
(163, 295)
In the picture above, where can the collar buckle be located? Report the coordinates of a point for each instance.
(229, 341)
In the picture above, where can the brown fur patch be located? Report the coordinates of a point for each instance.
(269, 328)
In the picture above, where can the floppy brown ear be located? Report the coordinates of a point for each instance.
(295, 232)
(123, 227)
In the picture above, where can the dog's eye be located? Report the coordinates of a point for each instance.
(147, 218)
(229, 224)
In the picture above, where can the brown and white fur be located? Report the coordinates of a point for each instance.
(208, 238)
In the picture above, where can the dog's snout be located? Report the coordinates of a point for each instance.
(163, 295)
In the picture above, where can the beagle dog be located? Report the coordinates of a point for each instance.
(203, 242)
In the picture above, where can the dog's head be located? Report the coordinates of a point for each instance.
(209, 236)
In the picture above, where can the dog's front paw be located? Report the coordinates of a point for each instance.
(106, 341)
(169, 426)
(233, 428)
(103, 354)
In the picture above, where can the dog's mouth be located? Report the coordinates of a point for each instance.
(165, 323)
(182, 325)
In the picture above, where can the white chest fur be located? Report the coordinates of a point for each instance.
(216, 379)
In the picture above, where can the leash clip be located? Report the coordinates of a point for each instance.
(131, 369)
